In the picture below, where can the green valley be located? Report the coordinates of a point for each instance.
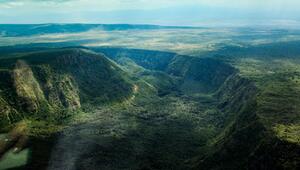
(73, 105)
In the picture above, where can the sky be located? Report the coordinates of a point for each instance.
(160, 12)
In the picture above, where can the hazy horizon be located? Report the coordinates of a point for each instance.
(163, 12)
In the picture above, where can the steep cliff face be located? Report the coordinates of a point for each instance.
(47, 84)
(28, 90)
(247, 140)
(152, 60)
(242, 131)
(8, 114)
(8, 102)
(199, 75)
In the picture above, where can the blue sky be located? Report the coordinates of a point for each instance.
(163, 12)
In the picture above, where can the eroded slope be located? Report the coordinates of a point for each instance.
(49, 85)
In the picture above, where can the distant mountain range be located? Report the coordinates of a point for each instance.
(14, 30)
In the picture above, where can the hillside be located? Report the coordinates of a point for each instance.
(47, 85)
(264, 135)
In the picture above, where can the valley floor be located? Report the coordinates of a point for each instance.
(161, 133)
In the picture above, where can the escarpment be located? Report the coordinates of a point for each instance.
(48, 84)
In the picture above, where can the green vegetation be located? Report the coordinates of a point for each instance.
(49, 85)
(288, 132)
(277, 81)
(139, 109)
(268, 127)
